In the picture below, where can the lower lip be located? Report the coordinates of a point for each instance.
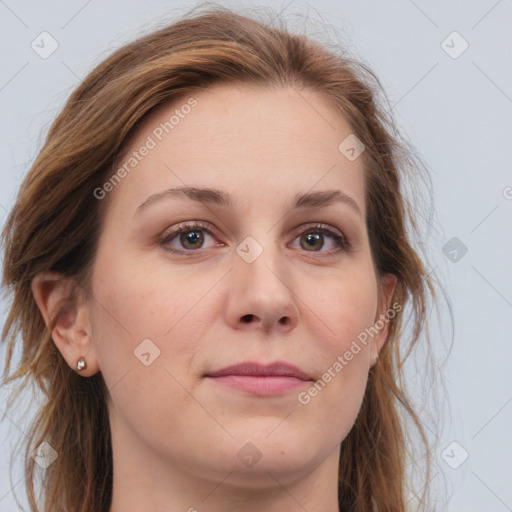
(260, 385)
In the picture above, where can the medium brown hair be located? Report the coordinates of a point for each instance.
(55, 223)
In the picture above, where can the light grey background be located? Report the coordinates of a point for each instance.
(457, 112)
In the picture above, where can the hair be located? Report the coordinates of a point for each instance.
(56, 220)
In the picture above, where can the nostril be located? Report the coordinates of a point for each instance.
(247, 318)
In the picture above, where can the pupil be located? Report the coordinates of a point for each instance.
(192, 237)
(312, 239)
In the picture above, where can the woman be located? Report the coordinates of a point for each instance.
(209, 264)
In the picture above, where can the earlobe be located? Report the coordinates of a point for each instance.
(68, 319)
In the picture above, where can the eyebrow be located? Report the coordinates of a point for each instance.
(211, 196)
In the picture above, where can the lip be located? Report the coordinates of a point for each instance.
(258, 379)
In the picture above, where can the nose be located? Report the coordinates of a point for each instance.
(261, 294)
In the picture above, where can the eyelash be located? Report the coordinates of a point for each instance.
(342, 241)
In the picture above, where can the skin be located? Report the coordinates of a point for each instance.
(176, 433)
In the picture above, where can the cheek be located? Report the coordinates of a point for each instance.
(346, 307)
(134, 303)
(347, 310)
(145, 311)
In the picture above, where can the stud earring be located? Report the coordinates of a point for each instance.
(81, 364)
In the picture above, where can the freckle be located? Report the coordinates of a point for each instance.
(282, 452)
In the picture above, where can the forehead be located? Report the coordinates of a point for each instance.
(248, 141)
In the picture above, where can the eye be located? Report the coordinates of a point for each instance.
(189, 235)
(312, 239)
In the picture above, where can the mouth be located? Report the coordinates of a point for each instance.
(263, 380)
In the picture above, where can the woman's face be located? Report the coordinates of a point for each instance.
(279, 270)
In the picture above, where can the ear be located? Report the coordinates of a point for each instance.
(384, 315)
(71, 330)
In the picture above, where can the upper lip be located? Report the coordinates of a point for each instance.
(277, 369)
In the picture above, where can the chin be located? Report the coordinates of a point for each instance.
(256, 458)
